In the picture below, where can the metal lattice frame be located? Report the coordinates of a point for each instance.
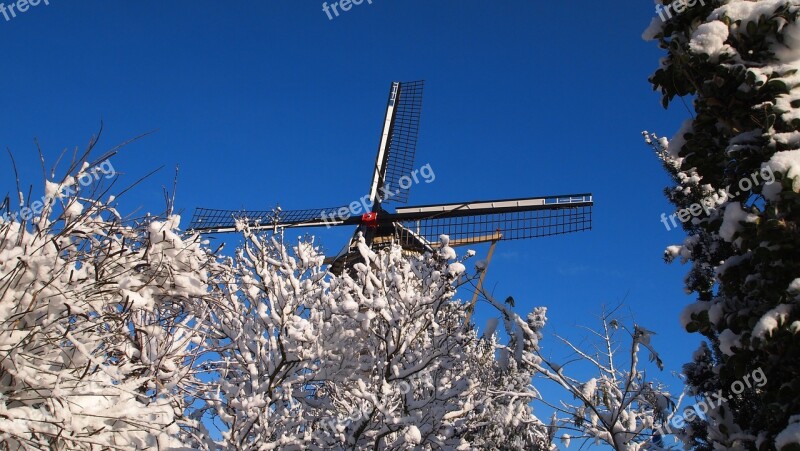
(207, 219)
(513, 225)
(403, 140)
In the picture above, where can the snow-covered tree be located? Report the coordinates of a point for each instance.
(97, 323)
(736, 168)
(379, 357)
(130, 334)
(614, 403)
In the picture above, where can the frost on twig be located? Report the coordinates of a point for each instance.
(619, 405)
(99, 323)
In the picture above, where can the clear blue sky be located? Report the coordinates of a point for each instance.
(271, 102)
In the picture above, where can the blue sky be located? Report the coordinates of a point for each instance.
(261, 103)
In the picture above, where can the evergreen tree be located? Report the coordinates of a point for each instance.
(736, 168)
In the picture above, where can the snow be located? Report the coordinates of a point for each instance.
(366, 253)
(103, 370)
(692, 309)
(447, 252)
(673, 251)
(51, 189)
(73, 210)
(731, 221)
(715, 313)
(742, 141)
(789, 436)
(709, 38)
(794, 287)
(747, 11)
(413, 435)
(654, 29)
(678, 141)
(137, 300)
(790, 52)
(790, 139)
(589, 388)
(349, 306)
(771, 320)
(456, 269)
(268, 347)
(743, 282)
(387, 336)
(788, 164)
(491, 326)
(727, 340)
(783, 103)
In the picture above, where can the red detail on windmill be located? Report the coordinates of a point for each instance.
(370, 219)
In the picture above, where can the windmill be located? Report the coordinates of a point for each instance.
(416, 229)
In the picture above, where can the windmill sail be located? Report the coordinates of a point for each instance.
(220, 221)
(511, 219)
(398, 143)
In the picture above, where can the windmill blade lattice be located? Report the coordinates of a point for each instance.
(498, 220)
(211, 220)
(403, 140)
